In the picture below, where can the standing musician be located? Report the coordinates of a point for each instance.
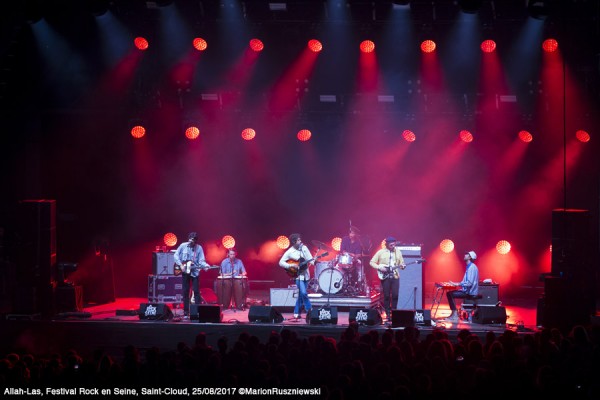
(387, 261)
(469, 286)
(189, 256)
(294, 258)
(233, 268)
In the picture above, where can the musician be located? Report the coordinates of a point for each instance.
(232, 267)
(387, 261)
(469, 286)
(190, 251)
(296, 253)
(350, 244)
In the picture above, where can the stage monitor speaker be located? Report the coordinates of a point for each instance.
(206, 313)
(403, 318)
(323, 315)
(423, 317)
(155, 311)
(265, 314)
(365, 316)
(490, 315)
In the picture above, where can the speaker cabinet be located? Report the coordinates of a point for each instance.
(323, 315)
(423, 317)
(155, 312)
(490, 315)
(206, 313)
(489, 295)
(163, 263)
(365, 316)
(264, 314)
(403, 318)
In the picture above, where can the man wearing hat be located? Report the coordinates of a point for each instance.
(469, 286)
(387, 261)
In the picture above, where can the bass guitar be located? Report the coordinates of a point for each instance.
(299, 266)
(393, 269)
(193, 269)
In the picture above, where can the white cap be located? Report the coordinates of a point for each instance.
(472, 255)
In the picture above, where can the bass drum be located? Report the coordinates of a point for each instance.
(331, 280)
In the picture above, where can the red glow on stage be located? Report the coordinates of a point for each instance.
(503, 247)
(582, 136)
(367, 46)
(138, 131)
(283, 242)
(488, 46)
(466, 136)
(248, 134)
(170, 239)
(409, 136)
(192, 132)
(525, 136)
(304, 135)
(428, 46)
(200, 44)
(256, 45)
(315, 45)
(550, 45)
(336, 243)
(447, 246)
(228, 241)
(141, 43)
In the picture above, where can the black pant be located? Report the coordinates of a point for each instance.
(389, 287)
(454, 294)
(195, 283)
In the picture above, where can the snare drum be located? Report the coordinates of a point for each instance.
(331, 280)
(345, 260)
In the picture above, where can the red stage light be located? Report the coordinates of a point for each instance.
(200, 44)
(192, 132)
(367, 46)
(409, 136)
(582, 136)
(248, 134)
(550, 45)
(336, 243)
(447, 246)
(138, 131)
(466, 136)
(525, 136)
(228, 241)
(141, 43)
(428, 46)
(256, 45)
(304, 135)
(170, 239)
(503, 247)
(488, 46)
(315, 45)
(283, 242)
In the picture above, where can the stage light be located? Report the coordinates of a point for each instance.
(409, 136)
(386, 98)
(170, 239)
(469, 6)
(141, 43)
(488, 46)
(248, 134)
(428, 46)
(550, 45)
(315, 46)
(138, 131)
(192, 132)
(228, 241)
(97, 7)
(538, 9)
(200, 44)
(367, 46)
(525, 136)
(447, 246)
(582, 136)
(336, 243)
(466, 136)
(304, 135)
(503, 247)
(256, 45)
(283, 242)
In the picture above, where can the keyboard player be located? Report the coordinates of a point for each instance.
(469, 286)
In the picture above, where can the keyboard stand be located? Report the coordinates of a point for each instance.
(437, 299)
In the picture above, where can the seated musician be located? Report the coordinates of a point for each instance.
(296, 253)
(351, 245)
(469, 286)
(232, 268)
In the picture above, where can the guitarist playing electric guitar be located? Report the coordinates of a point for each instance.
(387, 261)
(190, 259)
(294, 260)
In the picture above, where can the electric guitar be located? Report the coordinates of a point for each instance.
(393, 269)
(193, 269)
(300, 265)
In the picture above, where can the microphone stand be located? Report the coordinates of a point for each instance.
(232, 289)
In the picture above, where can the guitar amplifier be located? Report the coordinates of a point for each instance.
(489, 294)
(163, 263)
(165, 288)
(284, 297)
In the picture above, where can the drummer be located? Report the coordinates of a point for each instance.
(351, 244)
(233, 268)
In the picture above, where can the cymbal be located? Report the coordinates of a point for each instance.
(321, 245)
